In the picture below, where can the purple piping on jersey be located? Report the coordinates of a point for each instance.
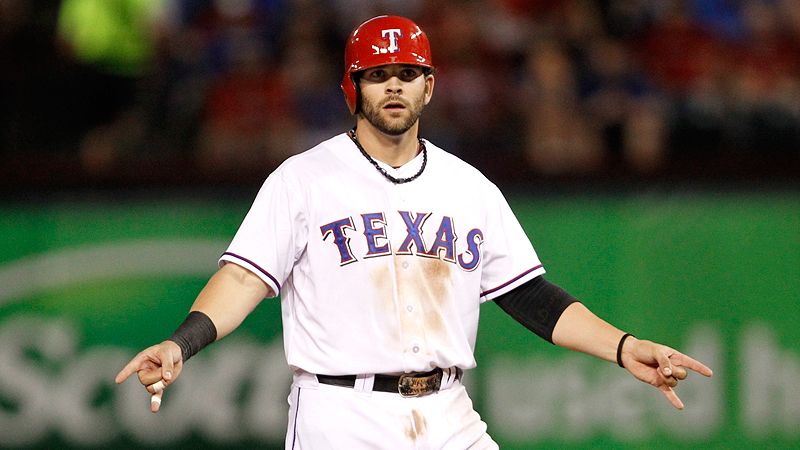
(485, 293)
(296, 410)
(257, 267)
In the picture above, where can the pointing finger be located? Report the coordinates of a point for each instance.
(691, 363)
(671, 396)
(123, 374)
(130, 368)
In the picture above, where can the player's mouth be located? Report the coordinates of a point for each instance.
(394, 106)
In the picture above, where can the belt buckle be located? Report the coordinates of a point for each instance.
(410, 385)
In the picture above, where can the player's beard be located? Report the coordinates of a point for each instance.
(372, 113)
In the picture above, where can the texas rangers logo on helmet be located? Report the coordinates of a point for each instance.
(393, 34)
(379, 41)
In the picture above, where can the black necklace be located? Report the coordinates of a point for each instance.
(352, 134)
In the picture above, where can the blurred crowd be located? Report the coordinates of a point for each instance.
(224, 90)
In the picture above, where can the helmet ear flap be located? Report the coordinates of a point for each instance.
(356, 77)
(351, 92)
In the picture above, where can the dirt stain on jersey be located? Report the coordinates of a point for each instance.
(415, 291)
(382, 280)
(417, 425)
(436, 277)
(424, 284)
(434, 284)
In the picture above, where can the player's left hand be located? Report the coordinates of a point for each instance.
(660, 366)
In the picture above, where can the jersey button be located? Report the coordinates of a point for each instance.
(409, 308)
(415, 349)
(405, 264)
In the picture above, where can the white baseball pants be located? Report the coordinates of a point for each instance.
(324, 417)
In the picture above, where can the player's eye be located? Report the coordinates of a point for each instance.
(405, 74)
(409, 74)
(376, 75)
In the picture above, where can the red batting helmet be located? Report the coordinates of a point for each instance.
(379, 41)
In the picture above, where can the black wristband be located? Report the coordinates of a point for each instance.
(619, 348)
(537, 304)
(196, 332)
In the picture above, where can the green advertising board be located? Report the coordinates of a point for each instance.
(85, 284)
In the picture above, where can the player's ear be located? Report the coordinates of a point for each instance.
(430, 81)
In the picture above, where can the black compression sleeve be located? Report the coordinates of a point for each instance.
(194, 333)
(537, 305)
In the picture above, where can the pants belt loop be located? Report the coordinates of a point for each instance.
(449, 377)
(364, 382)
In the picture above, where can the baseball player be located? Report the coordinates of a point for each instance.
(382, 247)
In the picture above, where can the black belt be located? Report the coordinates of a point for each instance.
(408, 384)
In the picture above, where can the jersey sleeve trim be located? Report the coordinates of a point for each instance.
(270, 279)
(533, 271)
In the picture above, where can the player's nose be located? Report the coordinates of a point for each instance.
(394, 85)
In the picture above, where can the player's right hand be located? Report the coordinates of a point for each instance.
(157, 367)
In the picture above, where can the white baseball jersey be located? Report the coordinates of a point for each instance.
(377, 277)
